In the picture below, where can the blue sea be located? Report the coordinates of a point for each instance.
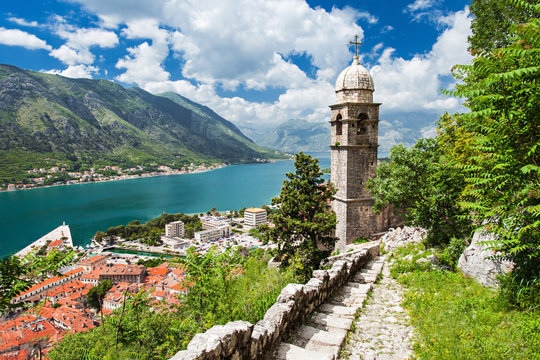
(27, 215)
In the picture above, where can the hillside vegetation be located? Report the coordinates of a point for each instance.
(48, 120)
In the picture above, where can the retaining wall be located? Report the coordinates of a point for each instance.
(243, 340)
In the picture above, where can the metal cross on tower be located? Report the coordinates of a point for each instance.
(355, 43)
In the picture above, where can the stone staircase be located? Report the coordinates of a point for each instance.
(323, 333)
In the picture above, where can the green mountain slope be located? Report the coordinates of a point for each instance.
(48, 118)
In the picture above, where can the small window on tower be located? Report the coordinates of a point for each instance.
(339, 130)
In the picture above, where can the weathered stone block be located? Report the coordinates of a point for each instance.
(208, 344)
(291, 292)
(188, 355)
(231, 335)
(321, 275)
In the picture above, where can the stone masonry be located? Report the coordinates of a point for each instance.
(325, 305)
(354, 143)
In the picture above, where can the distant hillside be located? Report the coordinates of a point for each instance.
(295, 135)
(49, 118)
(301, 135)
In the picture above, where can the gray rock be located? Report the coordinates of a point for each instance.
(187, 355)
(474, 261)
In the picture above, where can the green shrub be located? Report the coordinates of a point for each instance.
(451, 252)
(360, 240)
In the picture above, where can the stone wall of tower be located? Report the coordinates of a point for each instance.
(359, 96)
(354, 143)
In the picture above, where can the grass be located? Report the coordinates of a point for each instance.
(457, 318)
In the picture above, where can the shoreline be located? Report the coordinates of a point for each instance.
(130, 177)
(86, 230)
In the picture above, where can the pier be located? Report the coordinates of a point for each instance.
(60, 232)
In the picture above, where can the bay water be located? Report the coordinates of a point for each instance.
(27, 215)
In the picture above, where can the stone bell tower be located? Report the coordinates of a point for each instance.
(354, 142)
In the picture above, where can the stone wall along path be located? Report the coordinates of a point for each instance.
(322, 335)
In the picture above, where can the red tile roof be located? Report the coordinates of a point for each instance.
(41, 284)
(92, 259)
(74, 271)
(57, 242)
(158, 271)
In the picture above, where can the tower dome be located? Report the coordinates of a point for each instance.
(355, 84)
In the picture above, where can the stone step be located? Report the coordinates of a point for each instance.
(354, 301)
(293, 352)
(328, 322)
(356, 290)
(342, 311)
(366, 277)
(376, 265)
(322, 348)
(309, 335)
(364, 287)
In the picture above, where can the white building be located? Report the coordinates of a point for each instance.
(213, 234)
(213, 224)
(253, 217)
(175, 229)
(175, 243)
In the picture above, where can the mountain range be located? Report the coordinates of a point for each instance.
(48, 118)
(293, 136)
(301, 135)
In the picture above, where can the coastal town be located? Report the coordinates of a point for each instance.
(55, 175)
(59, 305)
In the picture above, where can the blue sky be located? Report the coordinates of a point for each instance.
(257, 63)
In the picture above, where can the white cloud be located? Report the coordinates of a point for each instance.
(76, 50)
(23, 22)
(143, 65)
(245, 44)
(371, 19)
(15, 37)
(76, 71)
(232, 42)
(412, 85)
(386, 29)
(88, 37)
(420, 5)
(72, 56)
(144, 62)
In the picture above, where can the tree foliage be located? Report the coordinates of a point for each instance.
(223, 287)
(304, 222)
(496, 144)
(97, 294)
(420, 182)
(152, 230)
(493, 21)
(11, 281)
(17, 275)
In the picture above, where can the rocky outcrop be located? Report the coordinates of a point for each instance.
(476, 261)
(395, 238)
(243, 340)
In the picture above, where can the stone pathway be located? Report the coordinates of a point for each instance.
(381, 330)
(321, 337)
